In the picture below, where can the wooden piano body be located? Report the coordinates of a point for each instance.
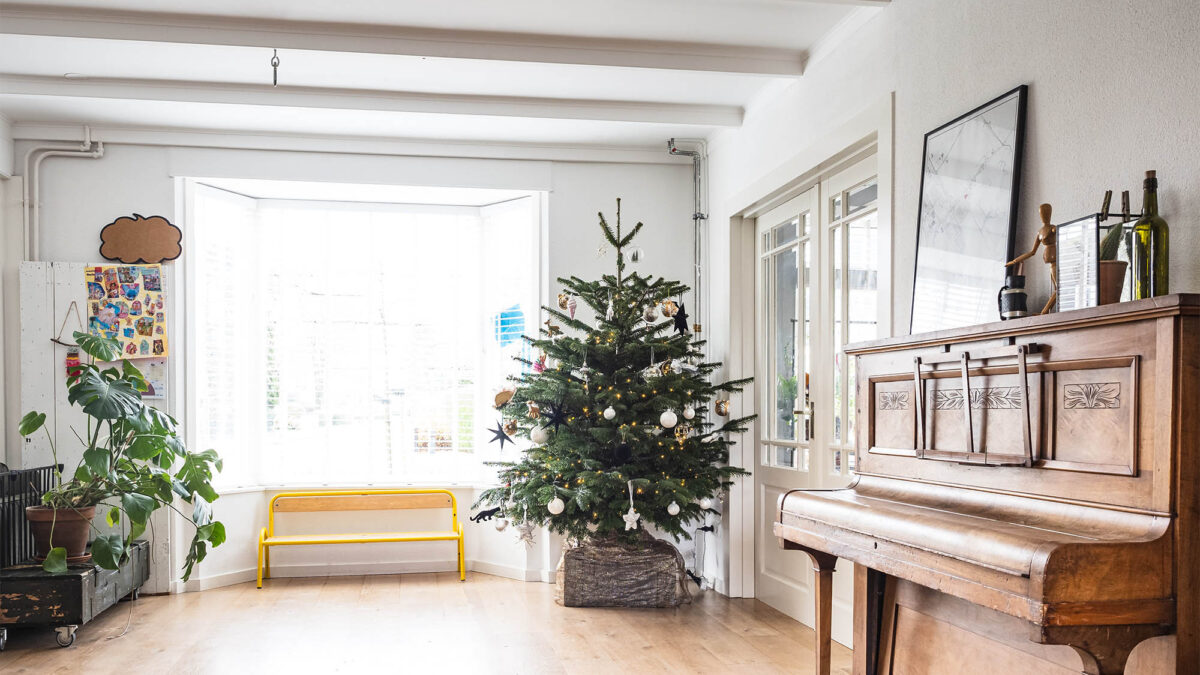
(1038, 515)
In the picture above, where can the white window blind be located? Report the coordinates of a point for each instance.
(355, 343)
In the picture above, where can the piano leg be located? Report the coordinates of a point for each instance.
(823, 565)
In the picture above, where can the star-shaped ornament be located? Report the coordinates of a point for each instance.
(556, 414)
(631, 519)
(525, 534)
(498, 434)
(681, 318)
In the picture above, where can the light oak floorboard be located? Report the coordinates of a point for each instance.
(416, 623)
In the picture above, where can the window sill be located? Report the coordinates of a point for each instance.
(317, 487)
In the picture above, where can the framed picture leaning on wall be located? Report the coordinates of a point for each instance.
(970, 183)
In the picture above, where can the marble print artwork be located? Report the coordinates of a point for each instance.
(965, 218)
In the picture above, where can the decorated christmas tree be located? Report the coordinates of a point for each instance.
(625, 428)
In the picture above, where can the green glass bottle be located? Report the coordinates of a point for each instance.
(1148, 254)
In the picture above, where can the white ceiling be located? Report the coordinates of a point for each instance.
(628, 73)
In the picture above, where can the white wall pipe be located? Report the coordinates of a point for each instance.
(30, 206)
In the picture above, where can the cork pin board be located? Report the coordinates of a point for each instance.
(137, 239)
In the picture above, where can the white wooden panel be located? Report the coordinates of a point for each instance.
(37, 386)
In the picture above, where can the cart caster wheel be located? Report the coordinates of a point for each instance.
(65, 635)
(3, 638)
(133, 595)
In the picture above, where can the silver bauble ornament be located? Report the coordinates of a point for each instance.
(539, 435)
(689, 412)
(556, 506)
(650, 314)
(609, 413)
(706, 503)
(637, 255)
(668, 419)
(673, 509)
(501, 523)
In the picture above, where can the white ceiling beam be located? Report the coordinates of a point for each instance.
(372, 100)
(24, 19)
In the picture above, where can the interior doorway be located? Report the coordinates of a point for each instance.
(816, 290)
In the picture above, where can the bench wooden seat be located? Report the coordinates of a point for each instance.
(357, 500)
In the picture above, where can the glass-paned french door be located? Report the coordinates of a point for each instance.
(818, 262)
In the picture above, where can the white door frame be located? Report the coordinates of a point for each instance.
(872, 127)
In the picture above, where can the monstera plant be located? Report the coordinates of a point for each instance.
(134, 462)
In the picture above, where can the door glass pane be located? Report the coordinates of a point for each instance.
(862, 196)
(786, 233)
(836, 467)
(806, 348)
(784, 327)
(863, 289)
(836, 207)
(785, 457)
(837, 336)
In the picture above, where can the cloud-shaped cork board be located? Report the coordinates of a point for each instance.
(136, 239)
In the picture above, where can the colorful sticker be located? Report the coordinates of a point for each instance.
(151, 279)
(130, 291)
(145, 326)
(95, 291)
(159, 349)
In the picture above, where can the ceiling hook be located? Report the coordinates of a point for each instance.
(275, 68)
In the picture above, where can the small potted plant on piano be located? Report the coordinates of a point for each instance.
(133, 462)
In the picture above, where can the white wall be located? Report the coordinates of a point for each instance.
(1101, 111)
(81, 196)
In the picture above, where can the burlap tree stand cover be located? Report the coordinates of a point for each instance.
(607, 572)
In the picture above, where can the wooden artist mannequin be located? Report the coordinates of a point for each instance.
(1046, 236)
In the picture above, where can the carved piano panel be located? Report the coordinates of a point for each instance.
(1026, 495)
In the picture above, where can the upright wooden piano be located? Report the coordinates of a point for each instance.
(1026, 499)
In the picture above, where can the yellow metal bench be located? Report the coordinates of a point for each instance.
(357, 500)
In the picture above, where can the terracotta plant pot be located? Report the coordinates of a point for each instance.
(1112, 280)
(70, 526)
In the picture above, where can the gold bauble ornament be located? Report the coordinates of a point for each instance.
(563, 300)
(722, 407)
(664, 368)
(669, 308)
(510, 427)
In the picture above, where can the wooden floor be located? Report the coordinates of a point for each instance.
(418, 623)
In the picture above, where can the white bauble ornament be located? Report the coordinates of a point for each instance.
(673, 509)
(609, 413)
(689, 412)
(556, 506)
(501, 523)
(539, 435)
(706, 503)
(668, 419)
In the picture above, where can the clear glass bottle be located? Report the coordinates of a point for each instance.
(1149, 253)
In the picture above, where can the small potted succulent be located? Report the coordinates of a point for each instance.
(1112, 271)
(134, 462)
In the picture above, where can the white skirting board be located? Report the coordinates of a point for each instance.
(355, 569)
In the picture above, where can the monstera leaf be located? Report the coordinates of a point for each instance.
(103, 398)
(99, 348)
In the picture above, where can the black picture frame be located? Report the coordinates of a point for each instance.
(981, 294)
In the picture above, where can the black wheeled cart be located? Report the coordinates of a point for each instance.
(30, 596)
